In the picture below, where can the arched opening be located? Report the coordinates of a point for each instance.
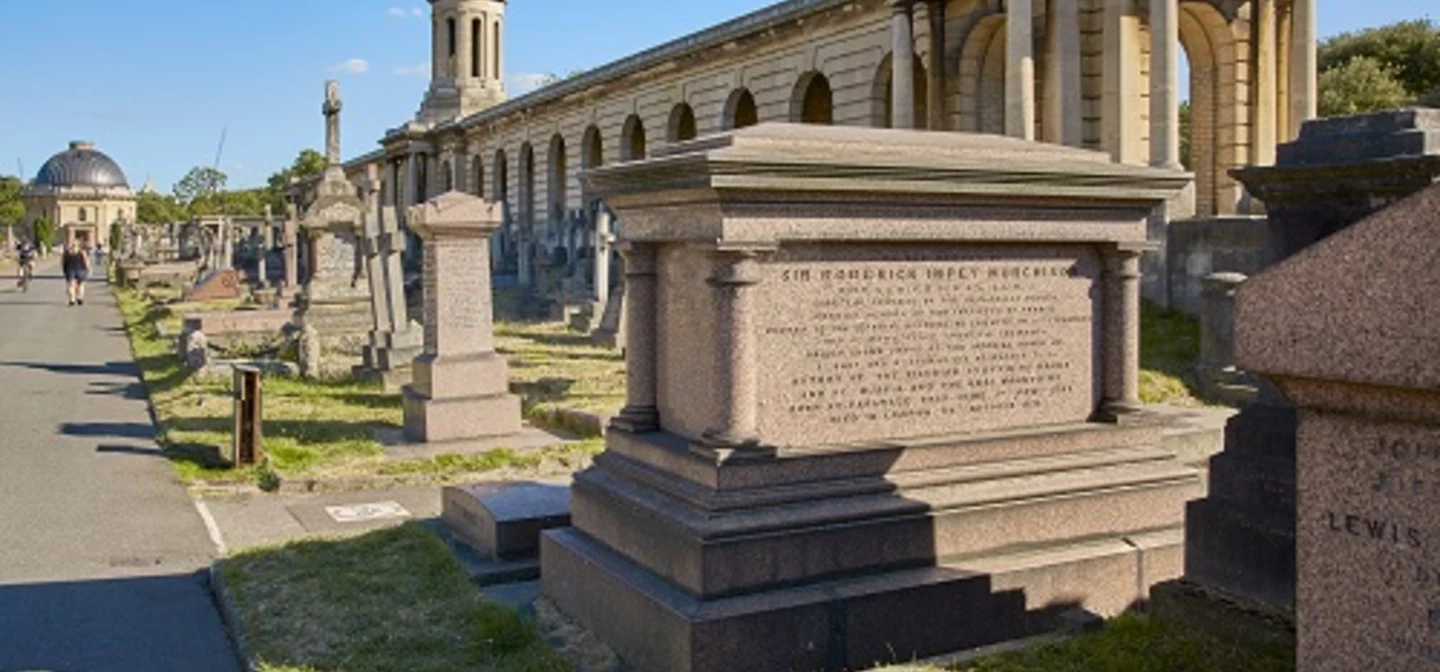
(592, 154)
(982, 77)
(557, 178)
(632, 139)
(495, 57)
(682, 124)
(740, 110)
(527, 185)
(813, 102)
(501, 190)
(477, 47)
(450, 46)
(884, 99)
(477, 167)
(448, 179)
(1215, 108)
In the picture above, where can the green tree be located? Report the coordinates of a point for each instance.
(153, 208)
(200, 181)
(12, 208)
(44, 232)
(1185, 135)
(308, 163)
(239, 202)
(1409, 50)
(1361, 84)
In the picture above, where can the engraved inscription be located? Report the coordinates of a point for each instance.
(895, 348)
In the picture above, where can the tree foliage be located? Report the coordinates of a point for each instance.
(153, 208)
(1186, 126)
(197, 183)
(12, 208)
(307, 164)
(1380, 68)
(44, 232)
(243, 202)
(1361, 84)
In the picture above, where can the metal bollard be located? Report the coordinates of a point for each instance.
(245, 447)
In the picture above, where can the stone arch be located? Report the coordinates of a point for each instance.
(527, 186)
(557, 178)
(682, 124)
(982, 77)
(1218, 124)
(813, 102)
(882, 106)
(501, 170)
(740, 110)
(632, 139)
(592, 148)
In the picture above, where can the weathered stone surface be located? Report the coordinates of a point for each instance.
(1346, 329)
(194, 350)
(310, 352)
(221, 284)
(505, 521)
(842, 372)
(461, 387)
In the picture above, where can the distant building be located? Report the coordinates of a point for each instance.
(82, 192)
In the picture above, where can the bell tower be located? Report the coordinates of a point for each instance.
(467, 50)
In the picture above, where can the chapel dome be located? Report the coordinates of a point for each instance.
(81, 166)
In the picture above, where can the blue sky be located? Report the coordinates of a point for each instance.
(153, 82)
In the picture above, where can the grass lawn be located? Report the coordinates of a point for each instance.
(390, 600)
(1169, 349)
(555, 367)
(1134, 643)
(312, 429)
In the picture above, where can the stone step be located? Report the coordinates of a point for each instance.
(711, 553)
(504, 521)
(818, 626)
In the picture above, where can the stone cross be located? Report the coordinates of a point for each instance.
(375, 273)
(461, 388)
(332, 122)
(227, 243)
(604, 246)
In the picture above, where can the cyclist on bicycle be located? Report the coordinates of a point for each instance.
(26, 253)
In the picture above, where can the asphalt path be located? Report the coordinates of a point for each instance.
(102, 553)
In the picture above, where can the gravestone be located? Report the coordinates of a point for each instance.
(394, 341)
(292, 250)
(461, 387)
(1347, 329)
(881, 403)
(216, 285)
(334, 300)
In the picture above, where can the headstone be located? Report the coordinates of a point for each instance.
(216, 285)
(227, 244)
(265, 243)
(878, 429)
(292, 250)
(505, 521)
(334, 300)
(611, 332)
(309, 351)
(194, 350)
(1347, 330)
(394, 341)
(462, 388)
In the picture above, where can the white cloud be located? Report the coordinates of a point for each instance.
(355, 66)
(422, 70)
(406, 12)
(526, 82)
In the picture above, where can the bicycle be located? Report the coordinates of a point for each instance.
(27, 273)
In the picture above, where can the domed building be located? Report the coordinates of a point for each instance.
(83, 193)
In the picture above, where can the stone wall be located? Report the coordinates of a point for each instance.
(1198, 247)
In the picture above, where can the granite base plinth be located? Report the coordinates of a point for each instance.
(851, 623)
(429, 420)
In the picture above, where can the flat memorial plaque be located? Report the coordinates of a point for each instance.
(864, 343)
(360, 513)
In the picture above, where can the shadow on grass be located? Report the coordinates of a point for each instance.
(542, 391)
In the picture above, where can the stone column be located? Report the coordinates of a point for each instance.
(736, 273)
(1063, 118)
(412, 180)
(267, 240)
(1303, 65)
(1019, 70)
(227, 244)
(935, 86)
(902, 62)
(461, 386)
(1118, 82)
(1164, 84)
(640, 414)
(1122, 332)
(1262, 110)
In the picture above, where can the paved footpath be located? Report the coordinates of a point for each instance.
(102, 554)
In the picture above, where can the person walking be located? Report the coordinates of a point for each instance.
(25, 252)
(76, 266)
